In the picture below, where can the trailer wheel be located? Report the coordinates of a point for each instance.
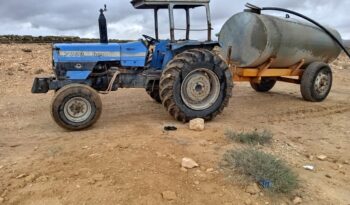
(265, 85)
(196, 84)
(76, 107)
(316, 82)
(152, 90)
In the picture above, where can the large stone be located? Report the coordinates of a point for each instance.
(169, 195)
(197, 124)
(188, 163)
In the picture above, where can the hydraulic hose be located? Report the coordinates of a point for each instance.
(255, 8)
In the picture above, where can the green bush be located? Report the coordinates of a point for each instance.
(257, 165)
(252, 138)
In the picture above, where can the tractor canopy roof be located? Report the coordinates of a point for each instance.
(164, 4)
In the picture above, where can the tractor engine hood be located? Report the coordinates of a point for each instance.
(91, 52)
(128, 54)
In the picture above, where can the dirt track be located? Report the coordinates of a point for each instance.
(127, 158)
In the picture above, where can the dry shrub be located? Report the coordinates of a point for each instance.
(256, 166)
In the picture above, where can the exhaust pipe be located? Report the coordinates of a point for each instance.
(102, 23)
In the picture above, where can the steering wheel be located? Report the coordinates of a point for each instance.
(150, 39)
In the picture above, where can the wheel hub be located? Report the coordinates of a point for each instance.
(322, 83)
(200, 89)
(77, 109)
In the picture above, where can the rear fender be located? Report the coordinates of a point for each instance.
(177, 48)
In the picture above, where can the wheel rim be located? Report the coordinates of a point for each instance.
(77, 109)
(322, 82)
(200, 89)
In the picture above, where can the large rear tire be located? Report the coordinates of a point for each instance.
(196, 84)
(76, 107)
(316, 82)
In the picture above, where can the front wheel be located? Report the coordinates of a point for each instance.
(76, 107)
(196, 84)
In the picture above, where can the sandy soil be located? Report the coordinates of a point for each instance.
(127, 158)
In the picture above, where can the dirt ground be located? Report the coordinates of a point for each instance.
(127, 158)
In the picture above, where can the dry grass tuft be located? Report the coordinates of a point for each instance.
(251, 138)
(257, 166)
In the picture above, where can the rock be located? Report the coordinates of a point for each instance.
(309, 167)
(297, 200)
(1, 166)
(248, 202)
(322, 157)
(169, 195)
(21, 176)
(210, 170)
(188, 163)
(196, 182)
(1, 200)
(252, 189)
(197, 124)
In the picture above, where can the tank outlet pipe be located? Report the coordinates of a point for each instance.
(258, 10)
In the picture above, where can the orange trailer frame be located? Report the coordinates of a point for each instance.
(265, 70)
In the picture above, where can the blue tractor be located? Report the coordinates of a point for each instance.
(186, 76)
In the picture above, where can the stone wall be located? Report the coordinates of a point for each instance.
(48, 39)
